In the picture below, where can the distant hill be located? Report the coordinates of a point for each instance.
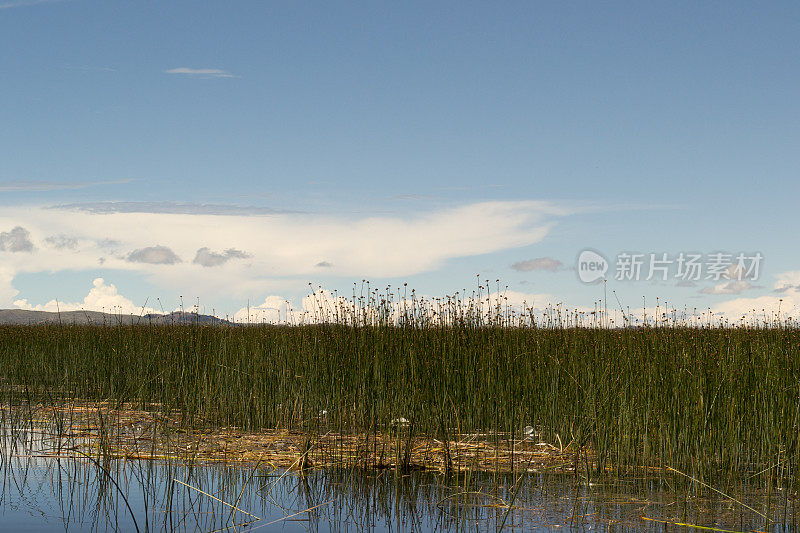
(23, 317)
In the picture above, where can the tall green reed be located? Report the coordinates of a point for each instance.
(705, 399)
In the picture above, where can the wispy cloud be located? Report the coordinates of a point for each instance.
(200, 72)
(539, 263)
(24, 3)
(34, 185)
(89, 68)
(170, 208)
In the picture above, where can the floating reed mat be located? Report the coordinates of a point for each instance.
(100, 429)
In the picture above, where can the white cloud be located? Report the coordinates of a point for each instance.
(200, 72)
(102, 297)
(284, 248)
(289, 249)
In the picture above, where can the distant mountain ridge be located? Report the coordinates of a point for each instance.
(25, 317)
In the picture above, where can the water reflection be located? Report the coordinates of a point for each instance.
(50, 485)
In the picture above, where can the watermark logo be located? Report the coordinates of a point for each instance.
(592, 266)
(686, 267)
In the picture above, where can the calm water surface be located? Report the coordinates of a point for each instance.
(42, 493)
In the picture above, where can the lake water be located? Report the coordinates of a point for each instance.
(42, 493)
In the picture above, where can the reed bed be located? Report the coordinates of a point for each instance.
(707, 401)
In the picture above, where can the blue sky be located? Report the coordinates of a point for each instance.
(423, 142)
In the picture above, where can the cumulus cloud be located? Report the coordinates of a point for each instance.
(273, 310)
(7, 290)
(61, 242)
(324, 264)
(324, 305)
(102, 297)
(16, 240)
(200, 72)
(784, 304)
(207, 258)
(730, 287)
(154, 255)
(539, 263)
